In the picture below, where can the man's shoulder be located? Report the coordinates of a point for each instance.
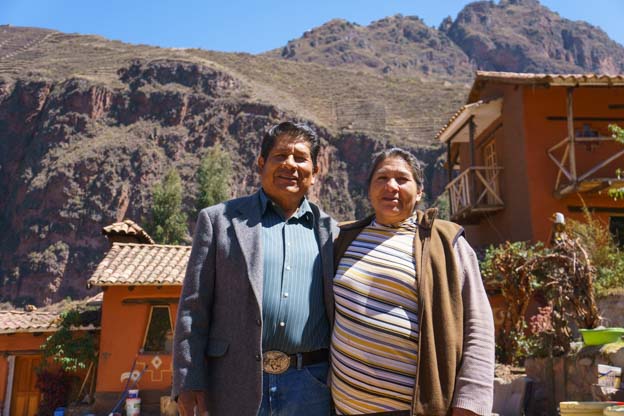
(227, 207)
(322, 215)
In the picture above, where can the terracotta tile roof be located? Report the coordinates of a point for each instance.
(552, 79)
(19, 321)
(128, 228)
(559, 80)
(142, 264)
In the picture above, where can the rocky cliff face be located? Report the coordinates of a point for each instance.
(524, 36)
(511, 35)
(397, 45)
(77, 155)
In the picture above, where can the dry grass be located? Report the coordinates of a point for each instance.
(401, 110)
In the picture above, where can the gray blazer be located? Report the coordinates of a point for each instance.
(218, 332)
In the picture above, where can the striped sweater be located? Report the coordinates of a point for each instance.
(375, 339)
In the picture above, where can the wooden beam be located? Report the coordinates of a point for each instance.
(449, 161)
(488, 187)
(21, 352)
(605, 119)
(472, 131)
(601, 165)
(562, 169)
(150, 301)
(606, 210)
(570, 116)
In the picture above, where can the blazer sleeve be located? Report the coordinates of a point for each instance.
(193, 317)
(475, 379)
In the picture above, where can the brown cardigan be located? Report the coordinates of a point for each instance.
(440, 316)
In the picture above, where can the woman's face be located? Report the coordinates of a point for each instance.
(393, 191)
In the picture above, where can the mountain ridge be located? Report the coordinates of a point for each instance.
(511, 35)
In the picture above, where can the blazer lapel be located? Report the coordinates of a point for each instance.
(327, 261)
(248, 228)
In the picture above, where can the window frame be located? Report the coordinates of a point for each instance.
(147, 328)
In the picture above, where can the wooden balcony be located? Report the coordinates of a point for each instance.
(592, 178)
(475, 193)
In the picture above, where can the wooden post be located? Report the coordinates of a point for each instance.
(449, 161)
(472, 129)
(570, 118)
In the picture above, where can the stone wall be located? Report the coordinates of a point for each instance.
(611, 308)
(569, 378)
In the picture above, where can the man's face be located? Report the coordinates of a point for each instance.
(288, 170)
(393, 191)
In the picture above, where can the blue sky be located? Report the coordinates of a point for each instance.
(253, 26)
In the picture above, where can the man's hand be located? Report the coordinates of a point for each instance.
(188, 400)
(458, 411)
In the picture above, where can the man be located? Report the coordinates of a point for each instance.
(252, 331)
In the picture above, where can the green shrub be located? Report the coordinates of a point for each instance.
(605, 256)
(618, 135)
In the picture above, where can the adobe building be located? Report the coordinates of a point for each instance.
(141, 283)
(21, 335)
(528, 145)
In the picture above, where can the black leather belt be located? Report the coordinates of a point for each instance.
(276, 362)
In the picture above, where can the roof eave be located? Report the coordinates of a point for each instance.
(108, 284)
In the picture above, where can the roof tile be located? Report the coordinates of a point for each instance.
(142, 264)
(20, 321)
(130, 228)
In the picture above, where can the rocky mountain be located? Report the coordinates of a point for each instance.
(509, 35)
(524, 36)
(397, 45)
(88, 126)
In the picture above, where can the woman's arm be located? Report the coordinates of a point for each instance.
(475, 379)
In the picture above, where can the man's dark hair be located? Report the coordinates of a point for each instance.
(410, 159)
(292, 130)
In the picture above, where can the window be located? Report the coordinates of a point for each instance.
(616, 227)
(159, 331)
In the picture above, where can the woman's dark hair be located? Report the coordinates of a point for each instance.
(292, 130)
(397, 152)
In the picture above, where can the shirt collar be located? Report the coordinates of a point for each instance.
(304, 213)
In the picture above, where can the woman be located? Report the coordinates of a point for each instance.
(413, 333)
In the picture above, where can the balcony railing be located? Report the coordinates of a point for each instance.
(475, 192)
(589, 180)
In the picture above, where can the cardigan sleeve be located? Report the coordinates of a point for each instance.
(475, 378)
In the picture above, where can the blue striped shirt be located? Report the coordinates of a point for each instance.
(293, 311)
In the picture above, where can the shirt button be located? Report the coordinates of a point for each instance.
(285, 294)
(287, 267)
(258, 357)
(282, 324)
(259, 322)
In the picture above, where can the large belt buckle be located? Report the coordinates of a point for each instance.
(275, 362)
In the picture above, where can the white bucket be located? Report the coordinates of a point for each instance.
(133, 406)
